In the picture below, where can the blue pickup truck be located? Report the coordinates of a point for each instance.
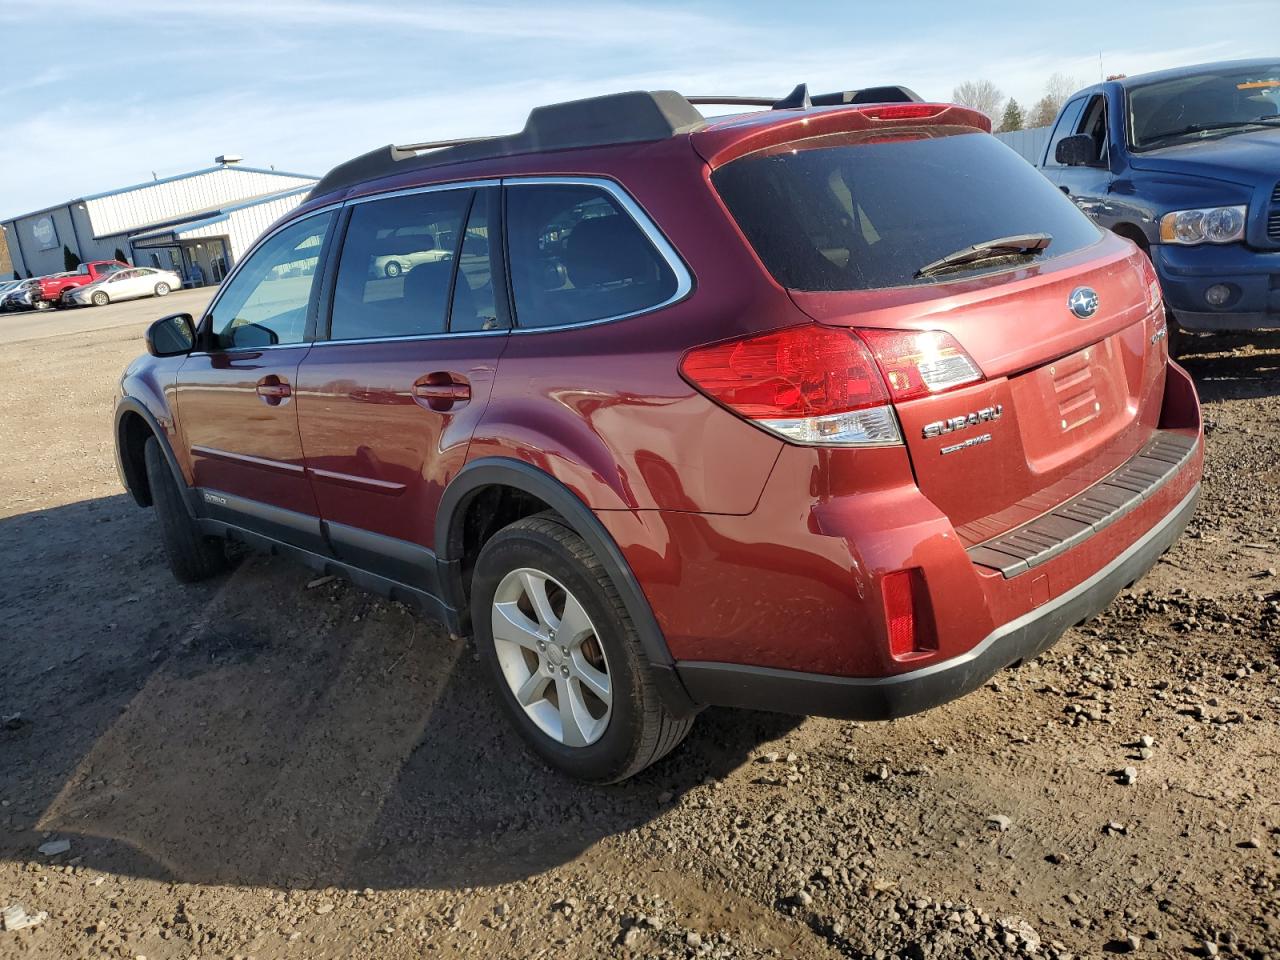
(1186, 164)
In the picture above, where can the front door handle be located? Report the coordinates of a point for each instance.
(442, 391)
(273, 390)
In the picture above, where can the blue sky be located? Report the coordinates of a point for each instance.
(98, 95)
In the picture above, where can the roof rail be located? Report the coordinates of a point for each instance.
(636, 117)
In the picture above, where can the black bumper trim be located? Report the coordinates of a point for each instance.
(883, 698)
(1137, 479)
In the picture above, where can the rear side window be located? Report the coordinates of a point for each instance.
(396, 269)
(862, 211)
(576, 256)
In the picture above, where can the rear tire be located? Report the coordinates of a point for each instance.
(624, 734)
(192, 556)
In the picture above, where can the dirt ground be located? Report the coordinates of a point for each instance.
(258, 768)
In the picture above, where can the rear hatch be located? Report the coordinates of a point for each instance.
(1042, 400)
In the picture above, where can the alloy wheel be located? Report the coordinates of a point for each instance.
(551, 657)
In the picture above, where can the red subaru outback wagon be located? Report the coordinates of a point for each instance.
(834, 408)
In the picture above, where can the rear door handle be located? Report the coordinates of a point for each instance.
(273, 390)
(442, 391)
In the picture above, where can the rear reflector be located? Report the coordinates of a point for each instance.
(919, 363)
(808, 384)
(906, 614)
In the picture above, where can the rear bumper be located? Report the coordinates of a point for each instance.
(882, 698)
(1252, 276)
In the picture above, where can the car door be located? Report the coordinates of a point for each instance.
(122, 285)
(1089, 184)
(390, 394)
(237, 415)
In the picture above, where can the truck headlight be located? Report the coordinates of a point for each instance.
(1206, 225)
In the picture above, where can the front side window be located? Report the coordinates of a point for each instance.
(576, 256)
(1066, 127)
(1217, 103)
(1094, 126)
(265, 303)
(396, 269)
(860, 211)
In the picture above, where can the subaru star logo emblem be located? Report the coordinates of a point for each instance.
(1083, 302)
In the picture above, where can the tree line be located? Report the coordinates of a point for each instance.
(1006, 115)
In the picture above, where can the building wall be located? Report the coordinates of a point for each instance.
(166, 200)
(22, 235)
(242, 227)
(6, 261)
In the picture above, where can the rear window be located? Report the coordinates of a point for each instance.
(861, 211)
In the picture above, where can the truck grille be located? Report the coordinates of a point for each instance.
(1273, 216)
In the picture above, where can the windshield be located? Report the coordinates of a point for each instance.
(1207, 104)
(867, 210)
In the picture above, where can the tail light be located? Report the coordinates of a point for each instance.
(907, 614)
(827, 385)
(917, 363)
(808, 384)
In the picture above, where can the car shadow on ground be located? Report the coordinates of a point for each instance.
(1231, 366)
(254, 730)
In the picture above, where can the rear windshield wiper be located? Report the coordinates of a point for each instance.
(1027, 244)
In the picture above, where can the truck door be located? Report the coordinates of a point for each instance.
(1089, 184)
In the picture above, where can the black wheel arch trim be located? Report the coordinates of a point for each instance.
(135, 483)
(508, 472)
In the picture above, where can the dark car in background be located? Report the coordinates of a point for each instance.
(1185, 163)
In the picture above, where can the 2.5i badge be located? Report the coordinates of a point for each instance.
(940, 428)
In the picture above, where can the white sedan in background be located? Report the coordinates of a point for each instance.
(125, 285)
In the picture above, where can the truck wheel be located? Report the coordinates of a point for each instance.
(564, 657)
(192, 556)
(162, 289)
(100, 299)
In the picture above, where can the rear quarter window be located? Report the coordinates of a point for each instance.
(578, 256)
(863, 211)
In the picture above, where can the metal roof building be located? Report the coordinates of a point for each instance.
(196, 223)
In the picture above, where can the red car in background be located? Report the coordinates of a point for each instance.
(832, 408)
(49, 290)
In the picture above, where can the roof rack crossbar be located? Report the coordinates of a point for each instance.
(735, 101)
(439, 144)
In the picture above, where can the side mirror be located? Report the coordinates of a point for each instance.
(171, 336)
(1076, 151)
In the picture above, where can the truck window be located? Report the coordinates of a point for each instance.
(1065, 127)
(1093, 123)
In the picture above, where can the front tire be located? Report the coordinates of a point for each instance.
(392, 269)
(100, 299)
(192, 556)
(162, 289)
(564, 656)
